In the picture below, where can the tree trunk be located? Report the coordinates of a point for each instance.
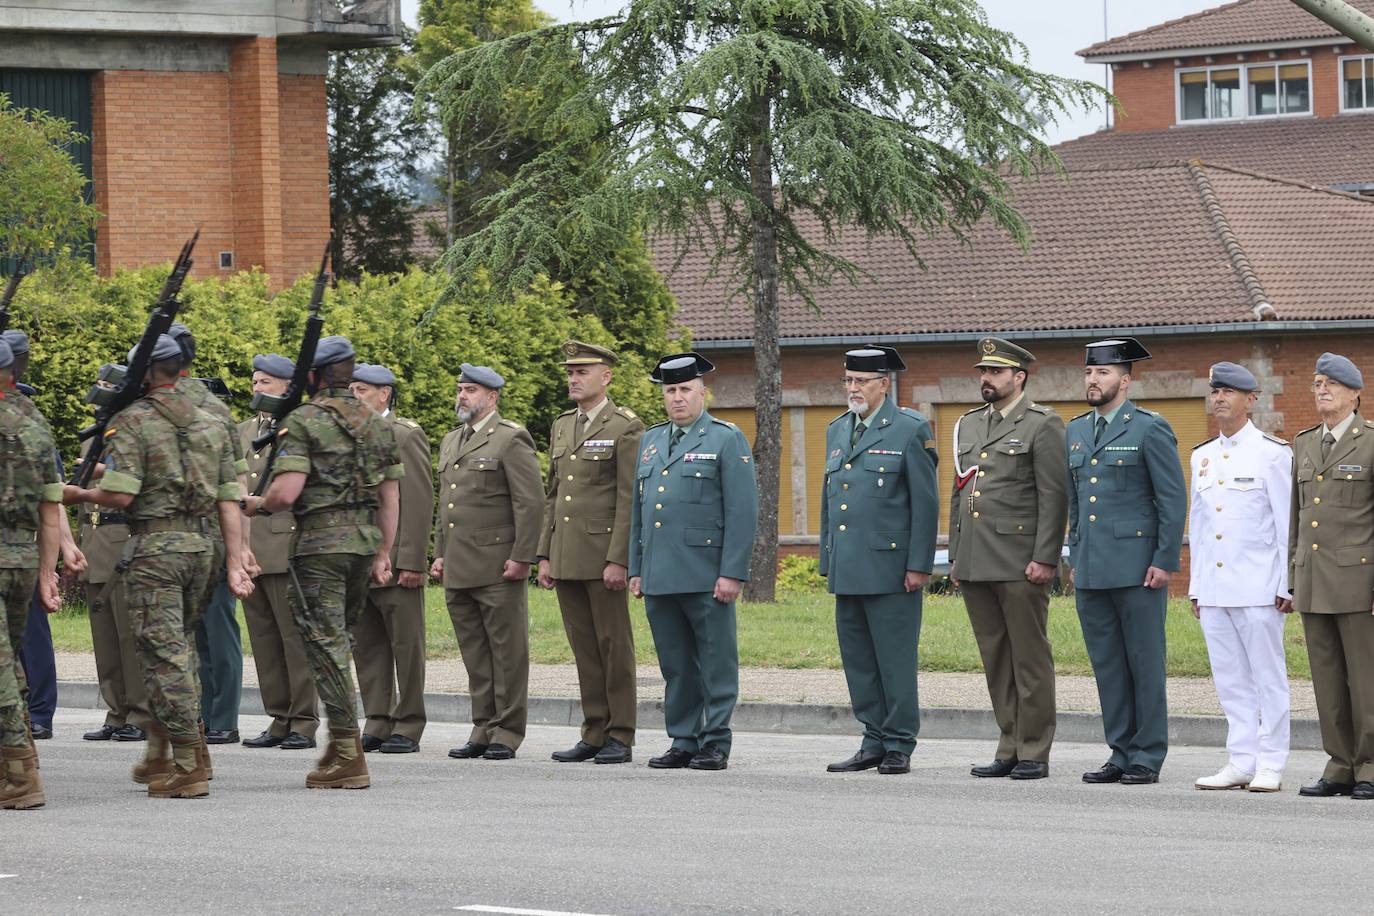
(762, 583)
(448, 192)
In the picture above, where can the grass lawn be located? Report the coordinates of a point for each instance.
(799, 632)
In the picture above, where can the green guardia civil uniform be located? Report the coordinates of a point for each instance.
(346, 450)
(30, 477)
(693, 518)
(177, 463)
(1128, 503)
(879, 514)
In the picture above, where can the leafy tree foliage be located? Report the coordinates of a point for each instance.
(42, 203)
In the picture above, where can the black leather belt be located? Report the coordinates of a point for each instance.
(96, 519)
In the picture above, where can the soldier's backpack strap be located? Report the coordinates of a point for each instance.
(352, 422)
(183, 441)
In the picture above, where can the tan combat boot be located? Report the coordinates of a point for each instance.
(203, 755)
(187, 779)
(157, 759)
(22, 787)
(343, 765)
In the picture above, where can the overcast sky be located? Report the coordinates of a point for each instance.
(1051, 31)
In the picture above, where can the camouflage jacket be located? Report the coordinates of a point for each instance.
(202, 398)
(27, 477)
(346, 450)
(175, 460)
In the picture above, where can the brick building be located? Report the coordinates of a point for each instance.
(1241, 239)
(209, 114)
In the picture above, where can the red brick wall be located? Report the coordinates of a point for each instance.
(304, 173)
(255, 153)
(1147, 94)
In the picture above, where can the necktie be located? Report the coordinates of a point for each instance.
(465, 435)
(1328, 440)
(1101, 428)
(856, 433)
(675, 439)
(580, 427)
(993, 419)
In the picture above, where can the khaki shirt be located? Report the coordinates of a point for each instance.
(1331, 533)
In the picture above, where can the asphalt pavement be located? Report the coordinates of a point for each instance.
(772, 834)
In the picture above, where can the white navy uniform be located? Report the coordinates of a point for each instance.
(1241, 489)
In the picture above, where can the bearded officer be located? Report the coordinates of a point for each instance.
(1242, 483)
(584, 550)
(695, 514)
(879, 513)
(1007, 514)
(1331, 557)
(1127, 507)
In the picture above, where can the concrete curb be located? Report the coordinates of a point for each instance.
(781, 718)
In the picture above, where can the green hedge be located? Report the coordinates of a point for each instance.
(77, 321)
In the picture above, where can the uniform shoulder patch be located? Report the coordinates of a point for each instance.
(1272, 438)
(1201, 444)
(511, 423)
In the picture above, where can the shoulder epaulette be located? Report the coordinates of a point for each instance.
(1204, 442)
(725, 423)
(1082, 415)
(410, 423)
(910, 412)
(1148, 413)
(1039, 408)
(627, 412)
(1310, 429)
(511, 423)
(1272, 438)
(657, 425)
(974, 410)
(839, 418)
(1369, 423)
(567, 413)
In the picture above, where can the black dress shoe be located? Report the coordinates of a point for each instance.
(1138, 774)
(130, 733)
(296, 742)
(371, 743)
(399, 744)
(1325, 788)
(221, 736)
(862, 760)
(469, 751)
(499, 752)
(672, 759)
(895, 762)
(1364, 790)
(103, 733)
(1030, 769)
(615, 751)
(709, 757)
(577, 753)
(994, 770)
(266, 739)
(40, 732)
(1108, 772)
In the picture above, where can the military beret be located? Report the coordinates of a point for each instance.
(165, 348)
(18, 341)
(333, 349)
(679, 368)
(578, 353)
(1114, 352)
(1232, 375)
(996, 353)
(1339, 369)
(873, 358)
(274, 364)
(374, 375)
(6, 354)
(485, 376)
(184, 338)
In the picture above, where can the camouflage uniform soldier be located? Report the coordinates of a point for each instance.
(338, 469)
(175, 466)
(28, 552)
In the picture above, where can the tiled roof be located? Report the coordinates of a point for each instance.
(1246, 22)
(1323, 151)
(1173, 244)
(428, 226)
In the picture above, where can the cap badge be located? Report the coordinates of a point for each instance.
(989, 347)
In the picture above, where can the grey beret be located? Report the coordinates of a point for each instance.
(18, 341)
(274, 364)
(1232, 375)
(165, 348)
(1338, 368)
(6, 354)
(374, 375)
(481, 375)
(179, 330)
(333, 349)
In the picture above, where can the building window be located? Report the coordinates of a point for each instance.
(1357, 84)
(1260, 91)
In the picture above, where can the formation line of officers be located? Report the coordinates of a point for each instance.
(331, 560)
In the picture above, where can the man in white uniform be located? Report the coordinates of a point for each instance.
(1238, 538)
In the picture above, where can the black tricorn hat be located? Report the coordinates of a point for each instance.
(873, 358)
(680, 367)
(1114, 352)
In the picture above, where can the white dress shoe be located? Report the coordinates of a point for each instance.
(1266, 780)
(1229, 778)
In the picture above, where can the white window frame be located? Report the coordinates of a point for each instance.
(1245, 115)
(1340, 84)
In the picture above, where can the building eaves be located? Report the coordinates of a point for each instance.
(1259, 300)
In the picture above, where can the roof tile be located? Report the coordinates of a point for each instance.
(1246, 22)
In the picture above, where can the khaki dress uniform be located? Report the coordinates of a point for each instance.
(490, 511)
(389, 635)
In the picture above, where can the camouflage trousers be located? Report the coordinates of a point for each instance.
(328, 592)
(16, 586)
(164, 594)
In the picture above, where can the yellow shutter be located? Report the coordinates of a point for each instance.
(817, 422)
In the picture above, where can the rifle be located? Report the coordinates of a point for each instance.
(129, 388)
(280, 405)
